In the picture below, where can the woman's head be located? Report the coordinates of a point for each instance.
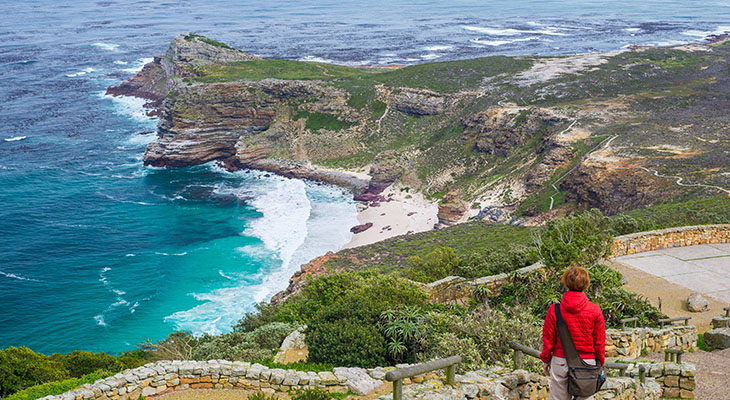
(576, 279)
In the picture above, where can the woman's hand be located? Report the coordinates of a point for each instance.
(546, 369)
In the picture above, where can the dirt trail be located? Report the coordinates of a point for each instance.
(673, 297)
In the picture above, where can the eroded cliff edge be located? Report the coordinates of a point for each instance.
(499, 138)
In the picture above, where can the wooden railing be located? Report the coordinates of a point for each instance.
(626, 320)
(522, 349)
(398, 375)
(664, 321)
(727, 311)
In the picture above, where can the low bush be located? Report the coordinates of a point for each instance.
(580, 240)
(56, 388)
(311, 394)
(261, 343)
(80, 363)
(21, 367)
(347, 343)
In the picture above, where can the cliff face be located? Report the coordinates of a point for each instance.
(479, 130)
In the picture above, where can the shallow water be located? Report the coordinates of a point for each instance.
(99, 253)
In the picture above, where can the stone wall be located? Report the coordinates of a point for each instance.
(166, 376)
(670, 237)
(672, 380)
(455, 289)
(631, 342)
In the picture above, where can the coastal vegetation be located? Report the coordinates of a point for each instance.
(372, 312)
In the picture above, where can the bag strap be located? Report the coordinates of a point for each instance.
(571, 352)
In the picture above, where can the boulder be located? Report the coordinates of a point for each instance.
(494, 214)
(361, 228)
(718, 338)
(358, 380)
(697, 303)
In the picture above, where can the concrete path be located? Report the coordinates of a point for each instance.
(704, 268)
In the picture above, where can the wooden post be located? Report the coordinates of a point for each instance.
(727, 311)
(398, 389)
(450, 375)
(518, 359)
(641, 373)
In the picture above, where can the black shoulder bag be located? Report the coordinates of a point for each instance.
(583, 379)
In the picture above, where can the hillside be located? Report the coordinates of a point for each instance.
(509, 136)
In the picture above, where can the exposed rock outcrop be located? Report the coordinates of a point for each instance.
(418, 102)
(451, 210)
(498, 130)
(189, 51)
(149, 83)
(612, 190)
(313, 268)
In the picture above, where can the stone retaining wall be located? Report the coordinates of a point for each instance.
(670, 237)
(631, 342)
(458, 290)
(673, 380)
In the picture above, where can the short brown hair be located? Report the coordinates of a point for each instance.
(576, 279)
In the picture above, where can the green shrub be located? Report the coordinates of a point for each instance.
(79, 363)
(311, 394)
(496, 262)
(21, 367)
(261, 396)
(297, 366)
(406, 333)
(271, 335)
(581, 240)
(346, 343)
(436, 265)
(56, 388)
(265, 313)
(482, 336)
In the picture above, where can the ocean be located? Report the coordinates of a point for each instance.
(100, 253)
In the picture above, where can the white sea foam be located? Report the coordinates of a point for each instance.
(633, 29)
(100, 320)
(15, 139)
(431, 56)
(129, 255)
(298, 222)
(171, 254)
(106, 46)
(18, 277)
(82, 73)
(437, 48)
(132, 107)
(703, 34)
(120, 62)
(329, 61)
(500, 42)
(138, 65)
(551, 31)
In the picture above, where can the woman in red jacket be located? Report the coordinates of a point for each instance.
(587, 328)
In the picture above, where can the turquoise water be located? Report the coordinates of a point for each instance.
(99, 253)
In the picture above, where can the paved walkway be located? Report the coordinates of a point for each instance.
(704, 268)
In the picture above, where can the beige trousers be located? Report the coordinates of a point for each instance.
(559, 379)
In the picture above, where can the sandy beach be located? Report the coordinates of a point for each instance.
(401, 213)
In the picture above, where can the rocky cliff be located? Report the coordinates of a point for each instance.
(502, 136)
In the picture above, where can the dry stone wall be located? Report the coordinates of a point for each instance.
(668, 379)
(630, 343)
(670, 237)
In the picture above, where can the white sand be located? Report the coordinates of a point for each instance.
(391, 218)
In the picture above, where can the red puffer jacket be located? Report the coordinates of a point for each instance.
(585, 323)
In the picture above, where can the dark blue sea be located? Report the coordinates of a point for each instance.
(99, 253)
